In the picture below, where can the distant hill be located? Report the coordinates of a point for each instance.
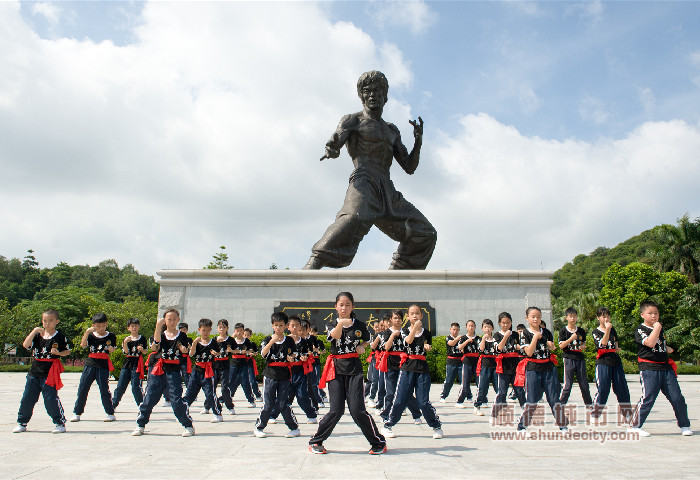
(584, 272)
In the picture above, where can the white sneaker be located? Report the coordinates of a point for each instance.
(232, 411)
(259, 433)
(639, 431)
(417, 421)
(138, 431)
(19, 429)
(377, 411)
(75, 418)
(437, 433)
(165, 404)
(370, 403)
(293, 433)
(478, 412)
(460, 405)
(321, 405)
(204, 412)
(217, 419)
(251, 405)
(189, 431)
(388, 433)
(110, 418)
(311, 420)
(405, 412)
(59, 429)
(443, 400)
(686, 431)
(272, 421)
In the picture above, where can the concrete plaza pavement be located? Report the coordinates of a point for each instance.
(92, 448)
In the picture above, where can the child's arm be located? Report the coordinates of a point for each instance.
(567, 342)
(482, 343)
(502, 344)
(462, 345)
(653, 337)
(158, 331)
(125, 349)
(337, 331)
(193, 348)
(530, 349)
(412, 333)
(30, 338)
(62, 353)
(606, 337)
(453, 342)
(112, 348)
(375, 342)
(390, 341)
(266, 349)
(84, 340)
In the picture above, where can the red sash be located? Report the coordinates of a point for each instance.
(158, 367)
(499, 360)
(103, 356)
(329, 368)
(239, 357)
(467, 355)
(208, 370)
(478, 364)
(370, 357)
(670, 362)
(54, 377)
(308, 365)
(383, 365)
(405, 356)
(139, 364)
(255, 366)
(603, 351)
(189, 363)
(217, 359)
(520, 371)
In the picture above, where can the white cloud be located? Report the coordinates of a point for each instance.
(415, 15)
(647, 99)
(589, 11)
(593, 110)
(50, 11)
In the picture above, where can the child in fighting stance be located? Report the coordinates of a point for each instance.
(203, 351)
(133, 346)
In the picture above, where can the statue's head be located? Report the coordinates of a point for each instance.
(373, 89)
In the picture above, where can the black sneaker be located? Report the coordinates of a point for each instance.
(318, 448)
(377, 449)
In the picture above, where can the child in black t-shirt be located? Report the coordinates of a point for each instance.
(469, 346)
(319, 347)
(508, 346)
(100, 343)
(133, 346)
(538, 372)
(170, 345)
(453, 362)
(253, 366)
(47, 345)
(657, 372)
(185, 361)
(608, 367)
(486, 366)
(222, 369)
(299, 387)
(344, 376)
(203, 351)
(240, 350)
(277, 350)
(572, 341)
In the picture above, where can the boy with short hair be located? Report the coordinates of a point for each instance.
(298, 386)
(203, 350)
(277, 350)
(414, 377)
(253, 366)
(240, 349)
(222, 367)
(133, 346)
(486, 366)
(47, 345)
(453, 362)
(100, 343)
(311, 378)
(572, 341)
(169, 343)
(608, 368)
(469, 346)
(185, 361)
(657, 371)
(378, 388)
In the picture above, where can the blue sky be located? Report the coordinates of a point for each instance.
(551, 127)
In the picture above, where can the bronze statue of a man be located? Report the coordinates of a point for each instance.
(371, 198)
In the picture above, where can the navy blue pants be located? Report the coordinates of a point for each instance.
(312, 387)
(317, 369)
(156, 385)
(575, 366)
(253, 381)
(536, 384)
(239, 376)
(605, 377)
(126, 376)
(452, 373)
(372, 380)
(391, 379)
(468, 372)
(666, 382)
(199, 382)
(275, 397)
(222, 376)
(504, 381)
(299, 388)
(381, 390)
(183, 373)
(34, 387)
(90, 374)
(487, 377)
(408, 383)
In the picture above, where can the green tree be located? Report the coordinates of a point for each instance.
(14, 326)
(679, 248)
(220, 260)
(685, 335)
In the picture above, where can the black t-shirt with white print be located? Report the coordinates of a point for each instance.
(205, 352)
(169, 350)
(246, 344)
(41, 350)
(490, 348)
(454, 355)
(300, 348)
(96, 344)
(656, 354)
(541, 350)
(132, 352)
(417, 347)
(512, 345)
(471, 347)
(188, 344)
(350, 338)
(279, 351)
(392, 361)
(573, 350)
(612, 358)
(223, 353)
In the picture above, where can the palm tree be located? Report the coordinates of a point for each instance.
(679, 248)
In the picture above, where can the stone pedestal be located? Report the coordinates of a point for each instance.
(250, 296)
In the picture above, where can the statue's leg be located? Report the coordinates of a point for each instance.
(338, 246)
(405, 224)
